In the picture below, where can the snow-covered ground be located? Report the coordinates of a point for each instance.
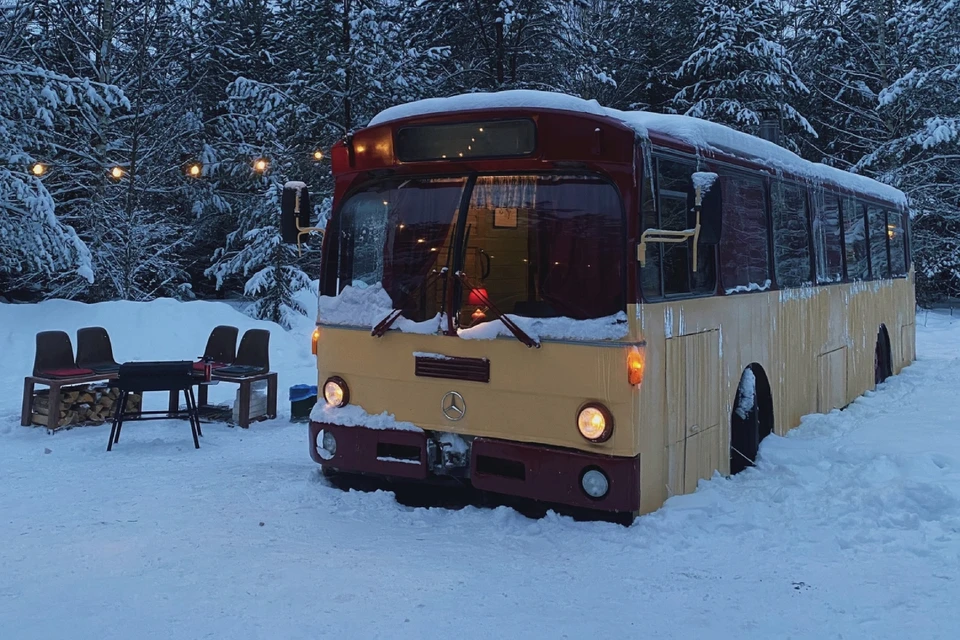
(849, 527)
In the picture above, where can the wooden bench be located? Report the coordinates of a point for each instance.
(245, 383)
(53, 410)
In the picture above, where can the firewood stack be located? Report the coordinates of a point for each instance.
(83, 405)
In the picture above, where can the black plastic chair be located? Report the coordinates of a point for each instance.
(54, 357)
(94, 350)
(253, 356)
(221, 345)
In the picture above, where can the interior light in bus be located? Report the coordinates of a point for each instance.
(420, 240)
(314, 339)
(635, 366)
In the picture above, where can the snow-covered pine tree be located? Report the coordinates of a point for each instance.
(266, 133)
(648, 42)
(39, 110)
(922, 155)
(739, 67)
(510, 44)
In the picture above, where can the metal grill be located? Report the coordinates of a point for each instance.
(472, 369)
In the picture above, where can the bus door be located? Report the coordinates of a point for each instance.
(695, 437)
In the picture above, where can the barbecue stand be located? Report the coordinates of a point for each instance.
(138, 377)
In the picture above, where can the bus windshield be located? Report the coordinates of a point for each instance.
(535, 245)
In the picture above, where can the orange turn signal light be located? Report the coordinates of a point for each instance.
(313, 341)
(635, 366)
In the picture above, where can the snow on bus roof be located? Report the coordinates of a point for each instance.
(701, 134)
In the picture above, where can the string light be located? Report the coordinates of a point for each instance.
(260, 165)
(194, 170)
(318, 155)
(38, 169)
(116, 173)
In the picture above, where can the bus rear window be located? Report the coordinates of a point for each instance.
(493, 139)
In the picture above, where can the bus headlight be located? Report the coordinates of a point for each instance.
(595, 422)
(335, 392)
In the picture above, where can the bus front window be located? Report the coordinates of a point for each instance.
(543, 246)
(396, 234)
(538, 246)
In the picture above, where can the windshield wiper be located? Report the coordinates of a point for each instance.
(481, 294)
(384, 325)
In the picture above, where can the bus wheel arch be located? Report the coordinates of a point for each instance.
(752, 417)
(882, 356)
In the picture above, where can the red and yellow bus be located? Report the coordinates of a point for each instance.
(588, 307)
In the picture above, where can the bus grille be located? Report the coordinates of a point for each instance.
(436, 366)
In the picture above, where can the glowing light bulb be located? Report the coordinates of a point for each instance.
(194, 170)
(38, 169)
(116, 173)
(318, 155)
(260, 165)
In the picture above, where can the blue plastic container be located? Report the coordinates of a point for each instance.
(302, 399)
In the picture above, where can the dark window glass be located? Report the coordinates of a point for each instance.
(855, 239)
(826, 237)
(877, 220)
(503, 138)
(544, 246)
(669, 269)
(791, 235)
(395, 234)
(650, 271)
(895, 237)
(744, 259)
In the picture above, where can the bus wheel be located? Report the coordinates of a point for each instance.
(882, 367)
(752, 418)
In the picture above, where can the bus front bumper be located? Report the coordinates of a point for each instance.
(537, 472)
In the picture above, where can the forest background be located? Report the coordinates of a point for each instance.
(145, 119)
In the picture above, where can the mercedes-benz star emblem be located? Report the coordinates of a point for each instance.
(453, 406)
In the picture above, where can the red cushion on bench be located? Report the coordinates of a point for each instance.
(66, 373)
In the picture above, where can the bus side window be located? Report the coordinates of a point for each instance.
(826, 237)
(650, 272)
(744, 257)
(669, 268)
(855, 239)
(877, 221)
(791, 235)
(898, 264)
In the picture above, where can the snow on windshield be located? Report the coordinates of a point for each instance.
(698, 133)
(365, 306)
(608, 328)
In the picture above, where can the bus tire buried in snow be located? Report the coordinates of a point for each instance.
(751, 420)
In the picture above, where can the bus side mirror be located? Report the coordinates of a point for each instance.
(295, 213)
